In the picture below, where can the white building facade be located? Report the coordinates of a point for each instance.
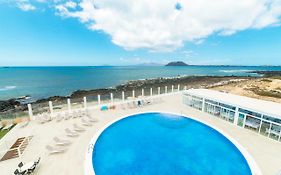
(259, 116)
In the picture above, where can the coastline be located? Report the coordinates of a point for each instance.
(221, 83)
(19, 104)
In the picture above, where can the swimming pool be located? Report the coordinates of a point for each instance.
(160, 144)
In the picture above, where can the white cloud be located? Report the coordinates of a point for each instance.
(160, 26)
(26, 6)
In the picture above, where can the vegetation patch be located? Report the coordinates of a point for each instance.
(266, 80)
(3, 133)
(267, 93)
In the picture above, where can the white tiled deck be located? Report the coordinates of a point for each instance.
(265, 151)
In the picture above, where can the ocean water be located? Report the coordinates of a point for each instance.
(42, 82)
(165, 144)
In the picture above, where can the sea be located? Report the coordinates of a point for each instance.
(43, 82)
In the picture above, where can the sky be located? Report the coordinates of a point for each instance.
(126, 32)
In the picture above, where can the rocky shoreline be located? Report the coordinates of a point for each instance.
(15, 105)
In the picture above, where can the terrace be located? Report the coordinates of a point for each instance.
(265, 151)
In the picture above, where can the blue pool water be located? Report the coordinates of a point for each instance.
(165, 144)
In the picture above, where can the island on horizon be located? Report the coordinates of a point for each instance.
(177, 63)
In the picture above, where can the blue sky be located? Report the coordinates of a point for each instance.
(67, 34)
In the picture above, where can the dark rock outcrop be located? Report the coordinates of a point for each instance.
(177, 63)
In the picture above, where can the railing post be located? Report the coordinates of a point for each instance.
(111, 97)
(172, 88)
(142, 92)
(166, 89)
(85, 102)
(236, 116)
(30, 112)
(51, 107)
(99, 99)
(270, 126)
(158, 90)
(133, 93)
(123, 96)
(68, 105)
(178, 87)
(151, 92)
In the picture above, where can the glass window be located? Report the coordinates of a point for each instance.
(275, 132)
(250, 112)
(240, 119)
(265, 126)
(273, 119)
(252, 123)
(227, 106)
(211, 101)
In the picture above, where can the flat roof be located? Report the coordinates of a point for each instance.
(256, 105)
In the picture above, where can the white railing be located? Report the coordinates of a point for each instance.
(110, 102)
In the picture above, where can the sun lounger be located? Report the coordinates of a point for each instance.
(71, 133)
(1, 126)
(81, 113)
(8, 126)
(67, 116)
(59, 117)
(61, 142)
(78, 128)
(123, 106)
(54, 150)
(92, 119)
(46, 117)
(86, 122)
(24, 124)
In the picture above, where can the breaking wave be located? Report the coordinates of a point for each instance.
(6, 88)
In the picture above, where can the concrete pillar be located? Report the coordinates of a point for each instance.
(99, 99)
(68, 105)
(166, 89)
(111, 97)
(142, 92)
(51, 107)
(133, 93)
(203, 104)
(178, 87)
(172, 88)
(151, 92)
(158, 90)
(123, 96)
(85, 102)
(30, 112)
(270, 128)
(236, 116)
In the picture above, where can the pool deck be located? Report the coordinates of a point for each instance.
(266, 152)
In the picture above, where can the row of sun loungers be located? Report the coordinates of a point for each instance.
(61, 145)
(140, 103)
(8, 126)
(45, 117)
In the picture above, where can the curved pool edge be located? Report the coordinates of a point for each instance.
(89, 170)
